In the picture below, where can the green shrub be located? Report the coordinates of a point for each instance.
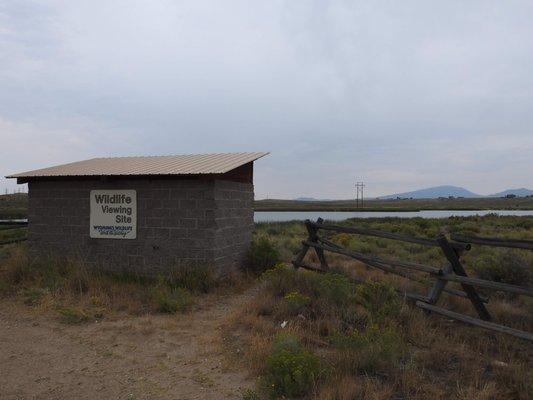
(296, 302)
(334, 286)
(280, 279)
(325, 293)
(249, 394)
(291, 370)
(525, 223)
(422, 223)
(468, 228)
(378, 298)
(286, 342)
(262, 255)
(33, 296)
(407, 230)
(369, 351)
(362, 247)
(329, 291)
(342, 239)
(196, 278)
(506, 267)
(171, 300)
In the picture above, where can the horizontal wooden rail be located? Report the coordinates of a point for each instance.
(375, 260)
(476, 321)
(385, 235)
(383, 264)
(495, 242)
(412, 296)
(390, 269)
(503, 287)
(2, 242)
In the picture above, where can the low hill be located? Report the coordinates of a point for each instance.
(434, 192)
(306, 199)
(521, 192)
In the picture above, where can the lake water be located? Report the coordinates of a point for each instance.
(278, 216)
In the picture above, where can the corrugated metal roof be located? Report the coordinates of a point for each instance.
(218, 163)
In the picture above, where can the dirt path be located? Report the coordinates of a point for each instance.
(151, 357)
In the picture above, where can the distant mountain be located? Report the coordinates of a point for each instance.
(434, 192)
(440, 191)
(522, 192)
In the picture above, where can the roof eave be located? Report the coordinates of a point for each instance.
(34, 174)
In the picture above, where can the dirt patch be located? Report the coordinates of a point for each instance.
(149, 357)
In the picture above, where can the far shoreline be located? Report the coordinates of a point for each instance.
(398, 205)
(323, 209)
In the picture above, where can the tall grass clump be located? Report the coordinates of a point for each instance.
(262, 255)
(379, 299)
(374, 349)
(53, 274)
(171, 299)
(71, 287)
(195, 278)
(296, 302)
(312, 294)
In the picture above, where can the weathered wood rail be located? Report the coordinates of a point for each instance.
(454, 271)
(495, 242)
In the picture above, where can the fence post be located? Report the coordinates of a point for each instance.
(313, 237)
(439, 286)
(301, 255)
(453, 257)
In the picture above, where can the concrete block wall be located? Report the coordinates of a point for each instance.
(179, 221)
(234, 220)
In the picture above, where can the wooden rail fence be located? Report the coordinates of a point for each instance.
(454, 271)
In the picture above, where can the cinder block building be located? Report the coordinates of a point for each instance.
(144, 214)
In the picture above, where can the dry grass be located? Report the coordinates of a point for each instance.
(440, 358)
(405, 354)
(77, 292)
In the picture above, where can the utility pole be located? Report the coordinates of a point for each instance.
(359, 194)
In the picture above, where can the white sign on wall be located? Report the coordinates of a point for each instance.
(113, 214)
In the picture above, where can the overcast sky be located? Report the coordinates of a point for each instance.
(399, 94)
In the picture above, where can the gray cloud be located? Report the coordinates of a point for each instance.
(399, 94)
